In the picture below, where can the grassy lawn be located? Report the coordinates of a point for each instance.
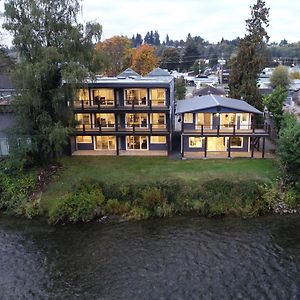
(133, 169)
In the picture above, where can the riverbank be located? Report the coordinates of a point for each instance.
(87, 188)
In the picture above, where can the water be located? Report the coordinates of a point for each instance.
(178, 258)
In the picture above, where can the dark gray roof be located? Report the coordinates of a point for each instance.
(129, 73)
(158, 72)
(5, 82)
(208, 90)
(213, 101)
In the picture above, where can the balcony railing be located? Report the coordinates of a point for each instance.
(115, 127)
(108, 103)
(225, 129)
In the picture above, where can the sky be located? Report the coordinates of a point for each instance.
(210, 19)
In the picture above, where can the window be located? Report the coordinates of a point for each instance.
(105, 120)
(103, 97)
(159, 120)
(195, 142)
(105, 142)
(158, 139)
(188, 118)
(236, 142)
(83, 139)
(136, 96)
(228, 120)
(83, 119)
(137, 143)
(137, 120)
(158, 97)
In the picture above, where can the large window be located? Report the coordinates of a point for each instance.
(103, 97)
(228, 120)
(135, 96)
(158, 97)
(158, 139)
(137, 120)
(82, 95)
(4, 148)
(105, 120)
(137, 142)
(83, 139)
(158, 120)
(195, 142)
(105, 142)
(83, 119)
(188, 118)
(203, 119)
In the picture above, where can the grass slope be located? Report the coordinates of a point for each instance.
(145, 169)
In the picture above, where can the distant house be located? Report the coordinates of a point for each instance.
(124, 115)
(213, 123)
(6, 113)
(208, 90)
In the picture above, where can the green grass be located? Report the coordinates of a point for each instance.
(145, 169)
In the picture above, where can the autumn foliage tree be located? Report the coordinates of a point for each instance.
(115, 54)
(144, 59)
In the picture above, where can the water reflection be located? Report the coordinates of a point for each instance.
(178, 258)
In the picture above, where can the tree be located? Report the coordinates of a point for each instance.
(117, 51)
(250, 59)
(274, 104)
(180, 88)
(280, 77)
(52, 47)
(289, 148)
(156, 38)
(190, 54)
(170, 59)
(144, 59)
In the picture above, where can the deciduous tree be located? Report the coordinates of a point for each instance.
(170, 59)
(52, 47)
(250, 58)
(280, 77)
(116, 53)
(144, 59)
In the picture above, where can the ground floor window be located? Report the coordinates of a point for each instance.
(195, 142)
(158, 139)
(105, 142)
(236, 142)
(4, 148)
(137, 142)
(83, 139)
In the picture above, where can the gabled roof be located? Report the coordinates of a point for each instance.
(129, 73)
(208, 90)
(158, 72)
(213, 101)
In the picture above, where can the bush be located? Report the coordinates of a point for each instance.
(115, 207)
(78, 206)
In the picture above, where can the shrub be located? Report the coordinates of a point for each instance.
(138, 213)
(78, 206)
(115, 207)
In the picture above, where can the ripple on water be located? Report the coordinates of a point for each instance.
(179, 258)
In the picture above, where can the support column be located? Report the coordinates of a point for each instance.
(263, 147)
(229, 148)
(205, 147)
(252, 147)
(182, 146)
(117, 145)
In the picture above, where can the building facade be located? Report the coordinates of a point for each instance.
(214, 124)
(126, 115)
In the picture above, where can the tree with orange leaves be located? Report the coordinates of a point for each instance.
(115, 54)
(144, 59)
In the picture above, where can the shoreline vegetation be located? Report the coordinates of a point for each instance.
(82, 189)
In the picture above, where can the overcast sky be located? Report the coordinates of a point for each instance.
(210, 19)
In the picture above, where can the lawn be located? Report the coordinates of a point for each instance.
(133, 169)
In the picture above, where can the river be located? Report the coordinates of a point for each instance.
(176, 258)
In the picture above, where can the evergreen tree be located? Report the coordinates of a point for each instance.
(251, 57)
(167, 40)
(52, 47)
(156, 38)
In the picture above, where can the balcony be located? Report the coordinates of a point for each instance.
(113, 105)
(226, 130)
(149, 128)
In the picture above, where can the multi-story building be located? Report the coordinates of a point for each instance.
(213, 125)
(125, 115)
